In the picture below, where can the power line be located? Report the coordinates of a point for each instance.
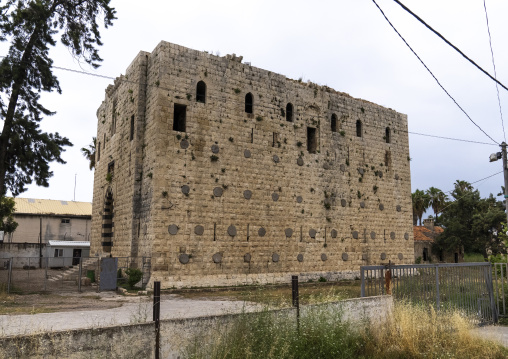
(449, 43)
(451, 138)
(494, 65)
(435, 78)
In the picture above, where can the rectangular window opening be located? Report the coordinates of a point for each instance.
(425, 254)
(132, 128)
(311, 140)
(252, 135)
(58, 252)
(275, 139)
(66, 220)
(179, 117)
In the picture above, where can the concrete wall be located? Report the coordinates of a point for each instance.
(237, 198)
(78, 229)
(27, 254)
(137, 341)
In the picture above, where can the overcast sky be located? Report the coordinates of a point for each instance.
(344, 44)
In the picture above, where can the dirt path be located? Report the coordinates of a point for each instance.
(126, 310)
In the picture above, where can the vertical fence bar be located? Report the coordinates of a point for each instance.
(46, 274)
(156, 315)
(9, 275)
(437, 288)
(80, 273)
(362, 276)
(502, 285)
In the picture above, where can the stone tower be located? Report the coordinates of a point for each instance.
(227, 174)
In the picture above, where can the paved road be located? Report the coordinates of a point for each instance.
(136, 310)
(494, 332)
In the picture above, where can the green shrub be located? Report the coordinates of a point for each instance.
(134, 276)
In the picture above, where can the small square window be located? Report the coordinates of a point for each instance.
(66, 220)
(58, 252)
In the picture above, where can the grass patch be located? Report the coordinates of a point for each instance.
(412, 332)
(473, 257)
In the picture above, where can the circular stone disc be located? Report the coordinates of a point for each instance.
(362, 204)
(400, 256)
(326, 166)
(355, 234)
(215, 149)
(381, 207)
(247, 257)
(299, 257)
(312, 233)
(173, 229)
(344, 256)
(299, 161)
(246, 154)
(185, 189)
(380, 174)
(232, 230)
(275, 257)
(406, 236)
(392, 235)
(343, 202)
(343, 168)
(184, 144)
(323, 257)
(217, 258)
(275, 197)
(361, 171)
(398, 208)
(276, 159)
(261, 232)
(373, 235)
(183, 258)
(396, 177)
(383, 256)
(288, 232)
(217, 191)
(299, 199)
(334, 233)
(199, 230)
(247, 194)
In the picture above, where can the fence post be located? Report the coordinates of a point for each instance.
(362, 276)
(437, 287)
(80, 273)
(156, 315)
(490, 289)
(46, 273)
(9, 276)
(296, 299)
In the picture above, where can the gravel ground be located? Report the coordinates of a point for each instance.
(132, 310)
(493, 332)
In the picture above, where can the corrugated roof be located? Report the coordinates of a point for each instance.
(422, 233)
(68, 244)
(49, 206)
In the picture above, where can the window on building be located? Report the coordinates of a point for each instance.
(249, 103)
(334, 123)
(425, 254)
(65, 220)
(358, 128)
(179, 116)
(111, 169)
(289, 112)
(311, 140)
(387, 135)
(201, 92)
(99, 152)
(58, 252)
(131, 137)
(113, 116)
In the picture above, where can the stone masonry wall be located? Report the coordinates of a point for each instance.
(238, 197)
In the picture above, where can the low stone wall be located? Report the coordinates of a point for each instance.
(137, 340)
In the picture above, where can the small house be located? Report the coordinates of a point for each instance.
(66, 253)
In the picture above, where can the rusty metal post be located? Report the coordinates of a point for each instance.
(296, 299)
(156, 315)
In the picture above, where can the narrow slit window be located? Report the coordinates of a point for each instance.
(311, 140)
(275, 139)
(425, 254)
(358, 128)
(249, 103)
(201, 92)
(179, 117)
(132, 128)
(289, 112)
(113, 122)
(251, 135)
(99, 152)
(334, 123)
(387, 135)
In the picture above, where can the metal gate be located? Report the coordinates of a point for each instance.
(464, 286)
(109, 268)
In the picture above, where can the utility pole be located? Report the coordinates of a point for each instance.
(505, 172)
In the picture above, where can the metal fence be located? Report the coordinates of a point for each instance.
(62, 274)
(464, 286)
(501, 287)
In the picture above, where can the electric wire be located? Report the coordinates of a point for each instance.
(449, 43)
(494, 66)
(435, 78)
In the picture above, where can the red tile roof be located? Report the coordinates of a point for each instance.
(422, 233)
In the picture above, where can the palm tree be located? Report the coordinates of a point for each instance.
(89, 153)
(437, 200)
(421, 202)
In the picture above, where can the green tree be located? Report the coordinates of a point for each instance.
(8, 224)
(471, 222)
(420, 204)
(437, 200)
(89, 153)
(31, 27)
